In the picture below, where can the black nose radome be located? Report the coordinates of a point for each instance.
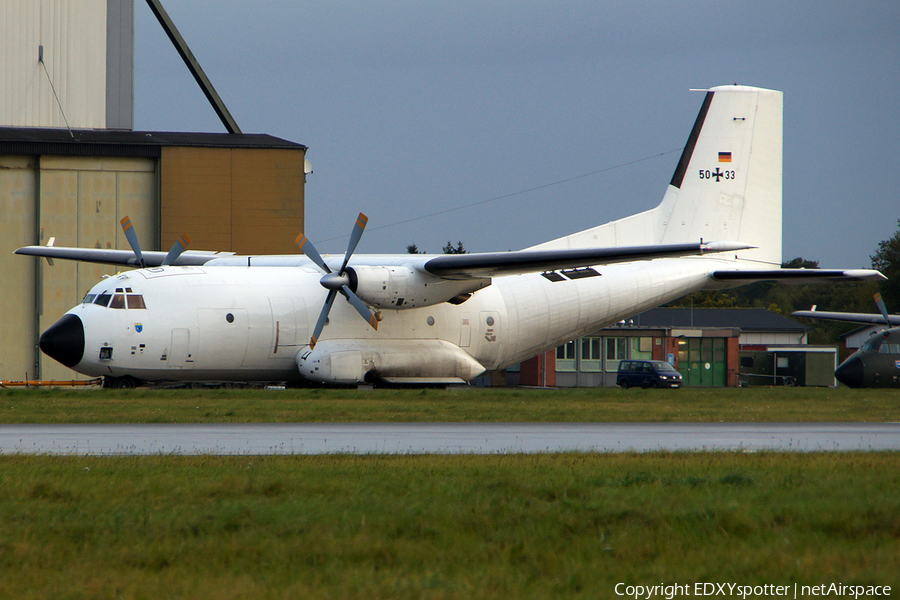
(64, 341)
(850, 372)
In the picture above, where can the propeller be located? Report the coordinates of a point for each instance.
(131, 235)
(337, 282)
(884, 313)
(882, 308)
(180, 246)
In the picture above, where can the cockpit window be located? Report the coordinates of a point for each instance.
(135, 301)
(873, 344)
(122, 298)
(880, 344)
(89, 298)
(103, 299)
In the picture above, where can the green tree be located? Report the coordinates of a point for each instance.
(887, 260)
(800, 263)
(459, 248)
(712, 299)
(451, 249)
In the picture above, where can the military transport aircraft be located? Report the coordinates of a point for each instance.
(194, 316)
(877, 362)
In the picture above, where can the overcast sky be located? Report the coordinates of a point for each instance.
(413, 108)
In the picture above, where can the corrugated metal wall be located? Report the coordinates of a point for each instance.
(248, 201)
(73, 34)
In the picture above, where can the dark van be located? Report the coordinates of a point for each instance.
(647, 373)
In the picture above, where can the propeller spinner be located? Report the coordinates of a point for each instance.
(337, 282)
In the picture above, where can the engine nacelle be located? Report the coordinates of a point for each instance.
(403, 287)
(349, 362)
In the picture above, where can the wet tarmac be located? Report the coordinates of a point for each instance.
(443, 438)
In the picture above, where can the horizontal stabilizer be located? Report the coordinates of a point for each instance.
(799, 276)
(893, 320)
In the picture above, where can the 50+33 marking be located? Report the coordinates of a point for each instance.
(717, 174)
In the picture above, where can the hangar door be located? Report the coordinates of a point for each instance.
(77, 201)
(702, 361)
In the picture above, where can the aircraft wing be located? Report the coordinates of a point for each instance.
(466, 266)
(798, 276)
(447, 266)
(872, 318)
(119, 257)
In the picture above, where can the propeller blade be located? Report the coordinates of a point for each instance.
(323, 316)
(307, 248)
(132, 238)
(180, 246)
(882, 308)
(355, 236)
(360, 307)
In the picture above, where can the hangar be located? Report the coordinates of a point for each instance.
(71, 167)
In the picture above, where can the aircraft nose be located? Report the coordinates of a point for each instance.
(64, 341)
(850, 372)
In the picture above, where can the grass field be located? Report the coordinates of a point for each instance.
(459, 404)
(539, 526)
(443, 527)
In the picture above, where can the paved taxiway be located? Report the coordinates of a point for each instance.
(447, 438)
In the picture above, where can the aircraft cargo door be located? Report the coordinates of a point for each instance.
(179, 355)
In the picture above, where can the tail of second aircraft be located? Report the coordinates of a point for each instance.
(726, 187)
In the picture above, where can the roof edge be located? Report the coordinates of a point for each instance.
(108, 142)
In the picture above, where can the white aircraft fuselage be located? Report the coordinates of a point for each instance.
(254, 323)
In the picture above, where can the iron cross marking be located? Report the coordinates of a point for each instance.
(718, 174)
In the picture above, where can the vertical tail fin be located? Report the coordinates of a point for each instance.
(726, 187)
